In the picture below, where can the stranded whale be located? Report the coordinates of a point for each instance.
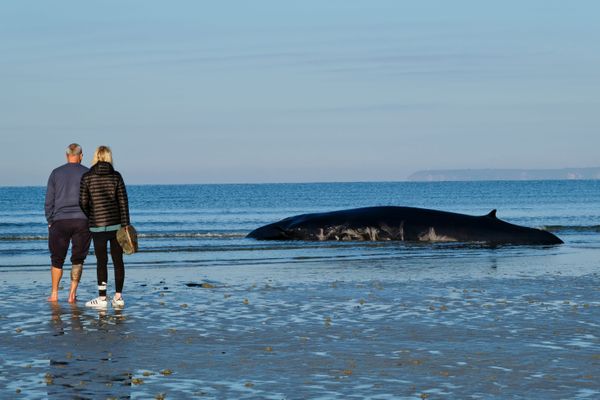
(403, 224)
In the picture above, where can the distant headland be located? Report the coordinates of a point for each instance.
(504, 174)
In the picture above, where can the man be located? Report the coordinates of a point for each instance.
(66, 222)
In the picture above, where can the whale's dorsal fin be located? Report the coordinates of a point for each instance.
(492, 214)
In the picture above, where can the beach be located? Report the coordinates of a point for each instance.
(212, 314)
(306, 331)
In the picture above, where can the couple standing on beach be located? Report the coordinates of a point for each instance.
(83, 205)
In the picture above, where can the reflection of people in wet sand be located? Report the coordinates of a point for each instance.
(57, 321)
(77, 367)
(66, 222)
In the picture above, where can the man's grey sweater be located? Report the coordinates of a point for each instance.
(62, 194)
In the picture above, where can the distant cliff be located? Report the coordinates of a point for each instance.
(505, 174)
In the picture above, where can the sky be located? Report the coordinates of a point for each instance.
(310, 91)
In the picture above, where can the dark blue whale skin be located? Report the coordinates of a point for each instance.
(403, 224)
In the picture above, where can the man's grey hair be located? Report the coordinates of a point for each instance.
(74, 149)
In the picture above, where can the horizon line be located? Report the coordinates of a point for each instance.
(329, 182)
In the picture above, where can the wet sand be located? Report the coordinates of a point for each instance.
(290, 332)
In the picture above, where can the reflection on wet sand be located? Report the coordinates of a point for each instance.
(56, 318)
(486, 326)
(76, 367)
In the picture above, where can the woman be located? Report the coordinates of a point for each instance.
(103, 198)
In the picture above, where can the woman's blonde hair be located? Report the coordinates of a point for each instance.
(102, 153)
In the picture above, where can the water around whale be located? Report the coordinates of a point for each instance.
(297, 319)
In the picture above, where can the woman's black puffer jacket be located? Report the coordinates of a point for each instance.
(102, 196)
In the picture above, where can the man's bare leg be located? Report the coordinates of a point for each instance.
(56, 274)
(76, 271)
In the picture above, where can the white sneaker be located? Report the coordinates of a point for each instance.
(98, 302)
(118, 303)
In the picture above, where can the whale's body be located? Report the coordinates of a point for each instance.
(402, 224)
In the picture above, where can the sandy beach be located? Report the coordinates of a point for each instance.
(307, 331)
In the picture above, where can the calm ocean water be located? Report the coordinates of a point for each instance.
(336, 320)
(197, 225)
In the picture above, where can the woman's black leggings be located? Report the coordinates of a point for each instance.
(101, 240)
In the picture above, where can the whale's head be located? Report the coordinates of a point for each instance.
(268, 232)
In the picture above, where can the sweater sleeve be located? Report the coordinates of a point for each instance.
(84, 196)
(49, 203)
(123, 202)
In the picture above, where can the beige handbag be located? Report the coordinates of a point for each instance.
(127, 238)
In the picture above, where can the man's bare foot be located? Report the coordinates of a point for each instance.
(53, 296)
(72, 297)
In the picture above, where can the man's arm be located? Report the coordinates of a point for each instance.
(49, 203)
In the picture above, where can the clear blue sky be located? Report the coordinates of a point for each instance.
(282, 91)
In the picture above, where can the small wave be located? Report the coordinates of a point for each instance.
(20, 224)
(157, 235)
(572, 228)
(23, 238)
(211, 235)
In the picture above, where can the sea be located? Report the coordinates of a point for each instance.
(206, 225)
(212, 314)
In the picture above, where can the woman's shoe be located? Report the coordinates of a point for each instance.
(118, 303)
(98, 302)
